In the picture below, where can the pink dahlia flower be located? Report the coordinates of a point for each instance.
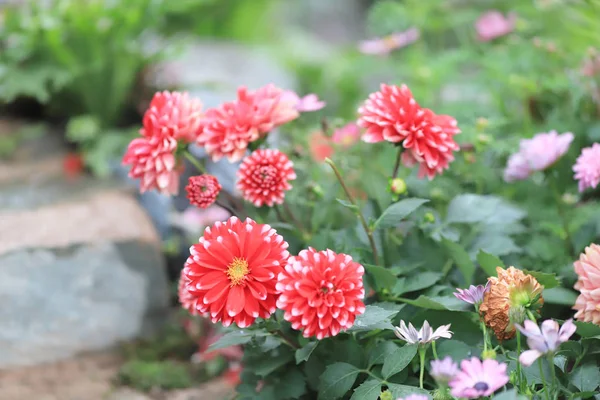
(347, 135)
(175, 115)
(231, 127)
(202, 190)
(587, 269)
(477, 379)
(321, 292)
(587, 167)
(384, 45)
(264, 177)
(308, 103)
(493, 24)
(392, 114)
(537, 154)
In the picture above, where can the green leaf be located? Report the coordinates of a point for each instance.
(462, 260)
(559, 295)
(374, 317)
(511, 394)
(291, 386)
(489, 262)
(545, 279)
(347, 204)
(304, 353)
(270, 362)
(413, 283)
(395, 213)
(587, 329)
(337, 380)
(586, 377)
(235, 338)
(383, 277)
(489, 210)
(398, 360)
(381, 352)
(456, 349)
(438, 303)
(404, 390)
(368, 390)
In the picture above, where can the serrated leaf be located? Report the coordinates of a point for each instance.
(398, 360)
(545, 279)
(236, 338)
(368, 390)
(395, 213)
(586, 377)
(291, 386)
(383, 277)
(416, 282)
(461, 259)
(587, 329)
(559, 295)
(489, 262)
(404, 390)
(438, 303)
(374, 317)
(337, 380)
(381, 352)
(304, 353)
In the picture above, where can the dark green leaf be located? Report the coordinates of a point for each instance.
(457, 350)
(395, 213)
(587, 329)
(291, 386)
(511, 394)
(419, 281)
(472, 208)
(398, 360)
(374, 317)
(404, 391)
(337, 380)
(559, 295)
(438, 303)
(489, 262)
(381, 352)
(461, 258)
(586, 377)
(545, 279)
(304, 353)
(235, 338)
(383, 277)
(270, 362)
(368, 390)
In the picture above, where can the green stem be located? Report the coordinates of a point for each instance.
(397, 164)
(531, 316)
(562, 214)
(361, 217)
(433, 349)
(546, 389)
(552, 374)
(519, 371)
(285, 339)
(306, 235)
(422, 351)
(195, 162)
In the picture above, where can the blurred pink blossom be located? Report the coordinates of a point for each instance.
(193, 220)
(537, 154)
(591, 66)
(308, 103)
(493, 24)
(347, 135)
(587, 167)
(384, 45)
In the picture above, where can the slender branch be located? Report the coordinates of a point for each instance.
(292, 217)
(546, 389)
(227, 207)
(286, 340)
(361, 217)
(279, 214)
(194, 161)
(397, 165)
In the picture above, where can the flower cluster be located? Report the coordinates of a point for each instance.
(392, 114)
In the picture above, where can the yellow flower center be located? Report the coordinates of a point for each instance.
(237, 271)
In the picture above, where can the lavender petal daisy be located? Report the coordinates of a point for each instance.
(478, 378)
(472, 295)
(443, 370)
(424, 335)
(545, 340)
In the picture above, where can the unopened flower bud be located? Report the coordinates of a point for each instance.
(429, 217)
(569, 198)
(482, 138)
(387, 395)
(398, 186)
(482, 124)
(317, 190)
(517, 315)
(489, 354)
(437, 193)
(470, 158)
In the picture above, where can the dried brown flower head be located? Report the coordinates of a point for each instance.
(511, 295)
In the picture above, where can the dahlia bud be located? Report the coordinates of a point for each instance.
(387, 395)
(569, 199)
(429, 217)
(489, 354)
(470, 158)
(482, 124)
(482, 138)
(442, 394)
(202, 190)
(398, 186)
(317, 190)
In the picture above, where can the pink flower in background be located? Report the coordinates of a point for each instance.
(587, 167)
(544, 341)
(320, 146)
(477, 379)
(493, 24)
(587, 269)
(194, 220)
(537, 154)
(202, 190)
(175, 115)
(393, 115)
(414, 397)
(591, 66)
(443, 370)
(384, 45)
(308, 103)
(231, 127)
(346, 135)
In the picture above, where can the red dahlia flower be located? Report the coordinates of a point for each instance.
(264, 177)
(174, 114)
(231, 274)
(321, 292)
(202, 190)
(392, 114)
(232, 126)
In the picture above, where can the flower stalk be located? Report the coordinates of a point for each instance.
(422, 352)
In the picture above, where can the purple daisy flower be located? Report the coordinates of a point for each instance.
(443, 370)
(545, 340)
(472, 295)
